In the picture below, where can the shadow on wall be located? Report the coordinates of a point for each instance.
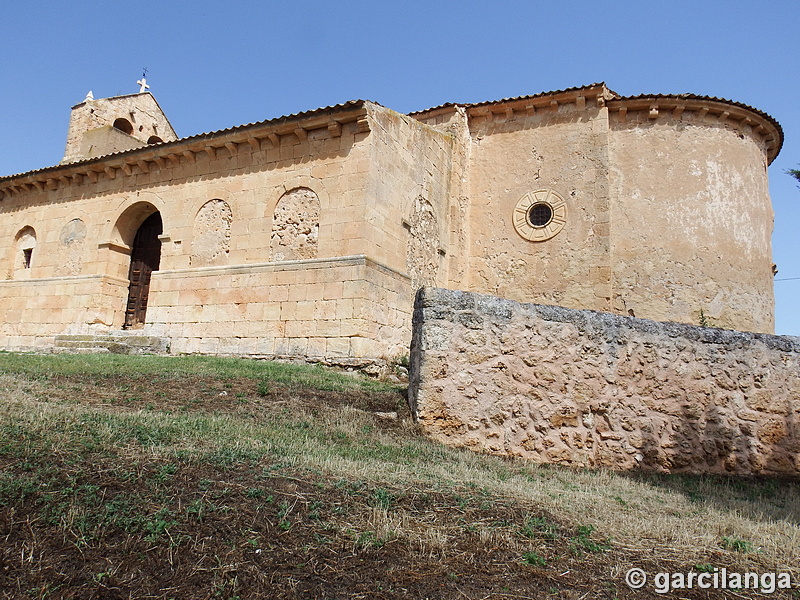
(583, 388)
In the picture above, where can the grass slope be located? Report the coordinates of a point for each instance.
(197, 477)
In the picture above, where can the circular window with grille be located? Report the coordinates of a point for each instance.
(540, 215)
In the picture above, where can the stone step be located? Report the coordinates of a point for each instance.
(117, 342)
(75, 350)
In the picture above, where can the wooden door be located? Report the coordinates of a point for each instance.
(145, 258)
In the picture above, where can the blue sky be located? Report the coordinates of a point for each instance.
(216, 64)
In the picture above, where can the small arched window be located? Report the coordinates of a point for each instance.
(154, 139)
(26, 242)
(124, 126)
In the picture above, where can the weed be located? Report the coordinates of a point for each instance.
(198, 508)
(314, 510)
(158, 524)
(382, 498)
(368, 539)
(165, 472)
(533, 559)
(535, 527)
(737, 545)
(704, 320)
(581, 542)
(284, 522)
(704, 568)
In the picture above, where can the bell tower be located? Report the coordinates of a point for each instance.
(106, 125)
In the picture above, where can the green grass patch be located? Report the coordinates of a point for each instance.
(114, 365)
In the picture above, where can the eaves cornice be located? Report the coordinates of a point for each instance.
(250, 137)
(595, 92)
(707, 109)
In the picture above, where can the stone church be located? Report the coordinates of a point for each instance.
(307, 235)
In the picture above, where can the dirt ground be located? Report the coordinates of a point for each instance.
(143, 527)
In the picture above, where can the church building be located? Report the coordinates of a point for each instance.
(308, 235)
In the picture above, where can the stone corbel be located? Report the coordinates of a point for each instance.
(335, 129)
(114, 247)
(232, 148)
(301, 134)
(274, 139)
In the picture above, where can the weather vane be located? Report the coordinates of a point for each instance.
(142, 83)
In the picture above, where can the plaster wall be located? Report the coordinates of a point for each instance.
(561, 148)
(691, 222)
(584, 388)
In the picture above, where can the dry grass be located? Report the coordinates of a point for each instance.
(381, 487)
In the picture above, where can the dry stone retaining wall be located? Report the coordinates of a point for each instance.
(586, 388)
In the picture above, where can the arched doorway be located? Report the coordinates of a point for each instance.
(145, 258)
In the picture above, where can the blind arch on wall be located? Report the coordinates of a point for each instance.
(295, 225)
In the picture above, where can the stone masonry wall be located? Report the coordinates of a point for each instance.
(324, 308)
(585, 388)
(33, 311)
